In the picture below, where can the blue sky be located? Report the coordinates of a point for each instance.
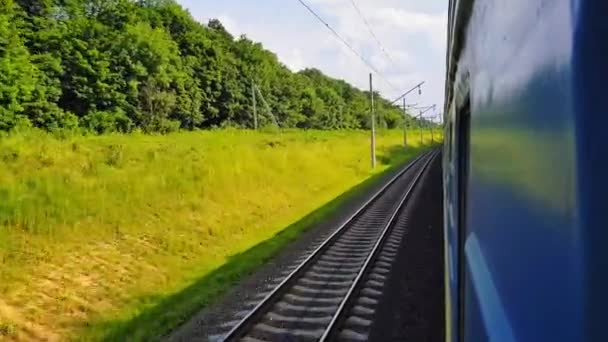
(413, 32)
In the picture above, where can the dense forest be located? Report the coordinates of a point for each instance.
(119, 65)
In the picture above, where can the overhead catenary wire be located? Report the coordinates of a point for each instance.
(373, 34)
(347, 44)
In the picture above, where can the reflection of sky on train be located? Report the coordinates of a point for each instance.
(518, 52)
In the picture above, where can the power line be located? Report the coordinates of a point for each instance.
(371, 31)
(347, 44)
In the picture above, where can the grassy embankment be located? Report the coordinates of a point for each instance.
(122, 237)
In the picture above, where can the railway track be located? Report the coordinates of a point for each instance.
(333, 293)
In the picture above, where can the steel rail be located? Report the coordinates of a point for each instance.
(333, 328)
(240, 329)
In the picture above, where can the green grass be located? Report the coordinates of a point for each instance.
(124, 236)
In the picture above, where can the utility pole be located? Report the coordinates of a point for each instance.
(420, 118)
(420, 128)
(373, 142)
(255, 110)
(432, 137)
(402, 96)
(404, 123)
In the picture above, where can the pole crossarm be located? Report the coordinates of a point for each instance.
(424, 110)
(407, 92)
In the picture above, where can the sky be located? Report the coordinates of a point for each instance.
(412, 33)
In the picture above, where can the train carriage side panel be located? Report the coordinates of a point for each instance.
(532, 266)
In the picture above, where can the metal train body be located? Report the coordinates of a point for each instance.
(526, 170)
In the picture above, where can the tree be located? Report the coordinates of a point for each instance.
(18, 75)
(115, 65)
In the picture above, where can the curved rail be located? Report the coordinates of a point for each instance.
(246, 324)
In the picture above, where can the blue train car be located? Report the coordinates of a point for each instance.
(526, 170)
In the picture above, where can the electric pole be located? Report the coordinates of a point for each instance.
(423, 110)
(404, 123)
(373, 115)
(432, 137)
(420, 127)
(255, 110)
(402, 96)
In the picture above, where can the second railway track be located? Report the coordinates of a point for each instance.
(333, 293)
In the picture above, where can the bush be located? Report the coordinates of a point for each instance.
(107, 122)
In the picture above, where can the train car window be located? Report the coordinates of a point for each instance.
(463, 122)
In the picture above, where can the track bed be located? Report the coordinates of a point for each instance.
(347, 284)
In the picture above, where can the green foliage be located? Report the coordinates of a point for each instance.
(106, 122)
(18, 75)
(119, 65)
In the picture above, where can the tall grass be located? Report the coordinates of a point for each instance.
(99, 228)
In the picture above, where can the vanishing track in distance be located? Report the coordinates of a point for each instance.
(333, 293)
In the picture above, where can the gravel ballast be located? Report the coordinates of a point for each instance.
(412, 307)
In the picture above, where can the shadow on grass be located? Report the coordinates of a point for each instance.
(157, 321)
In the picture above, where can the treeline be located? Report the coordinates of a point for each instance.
(119, 65)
